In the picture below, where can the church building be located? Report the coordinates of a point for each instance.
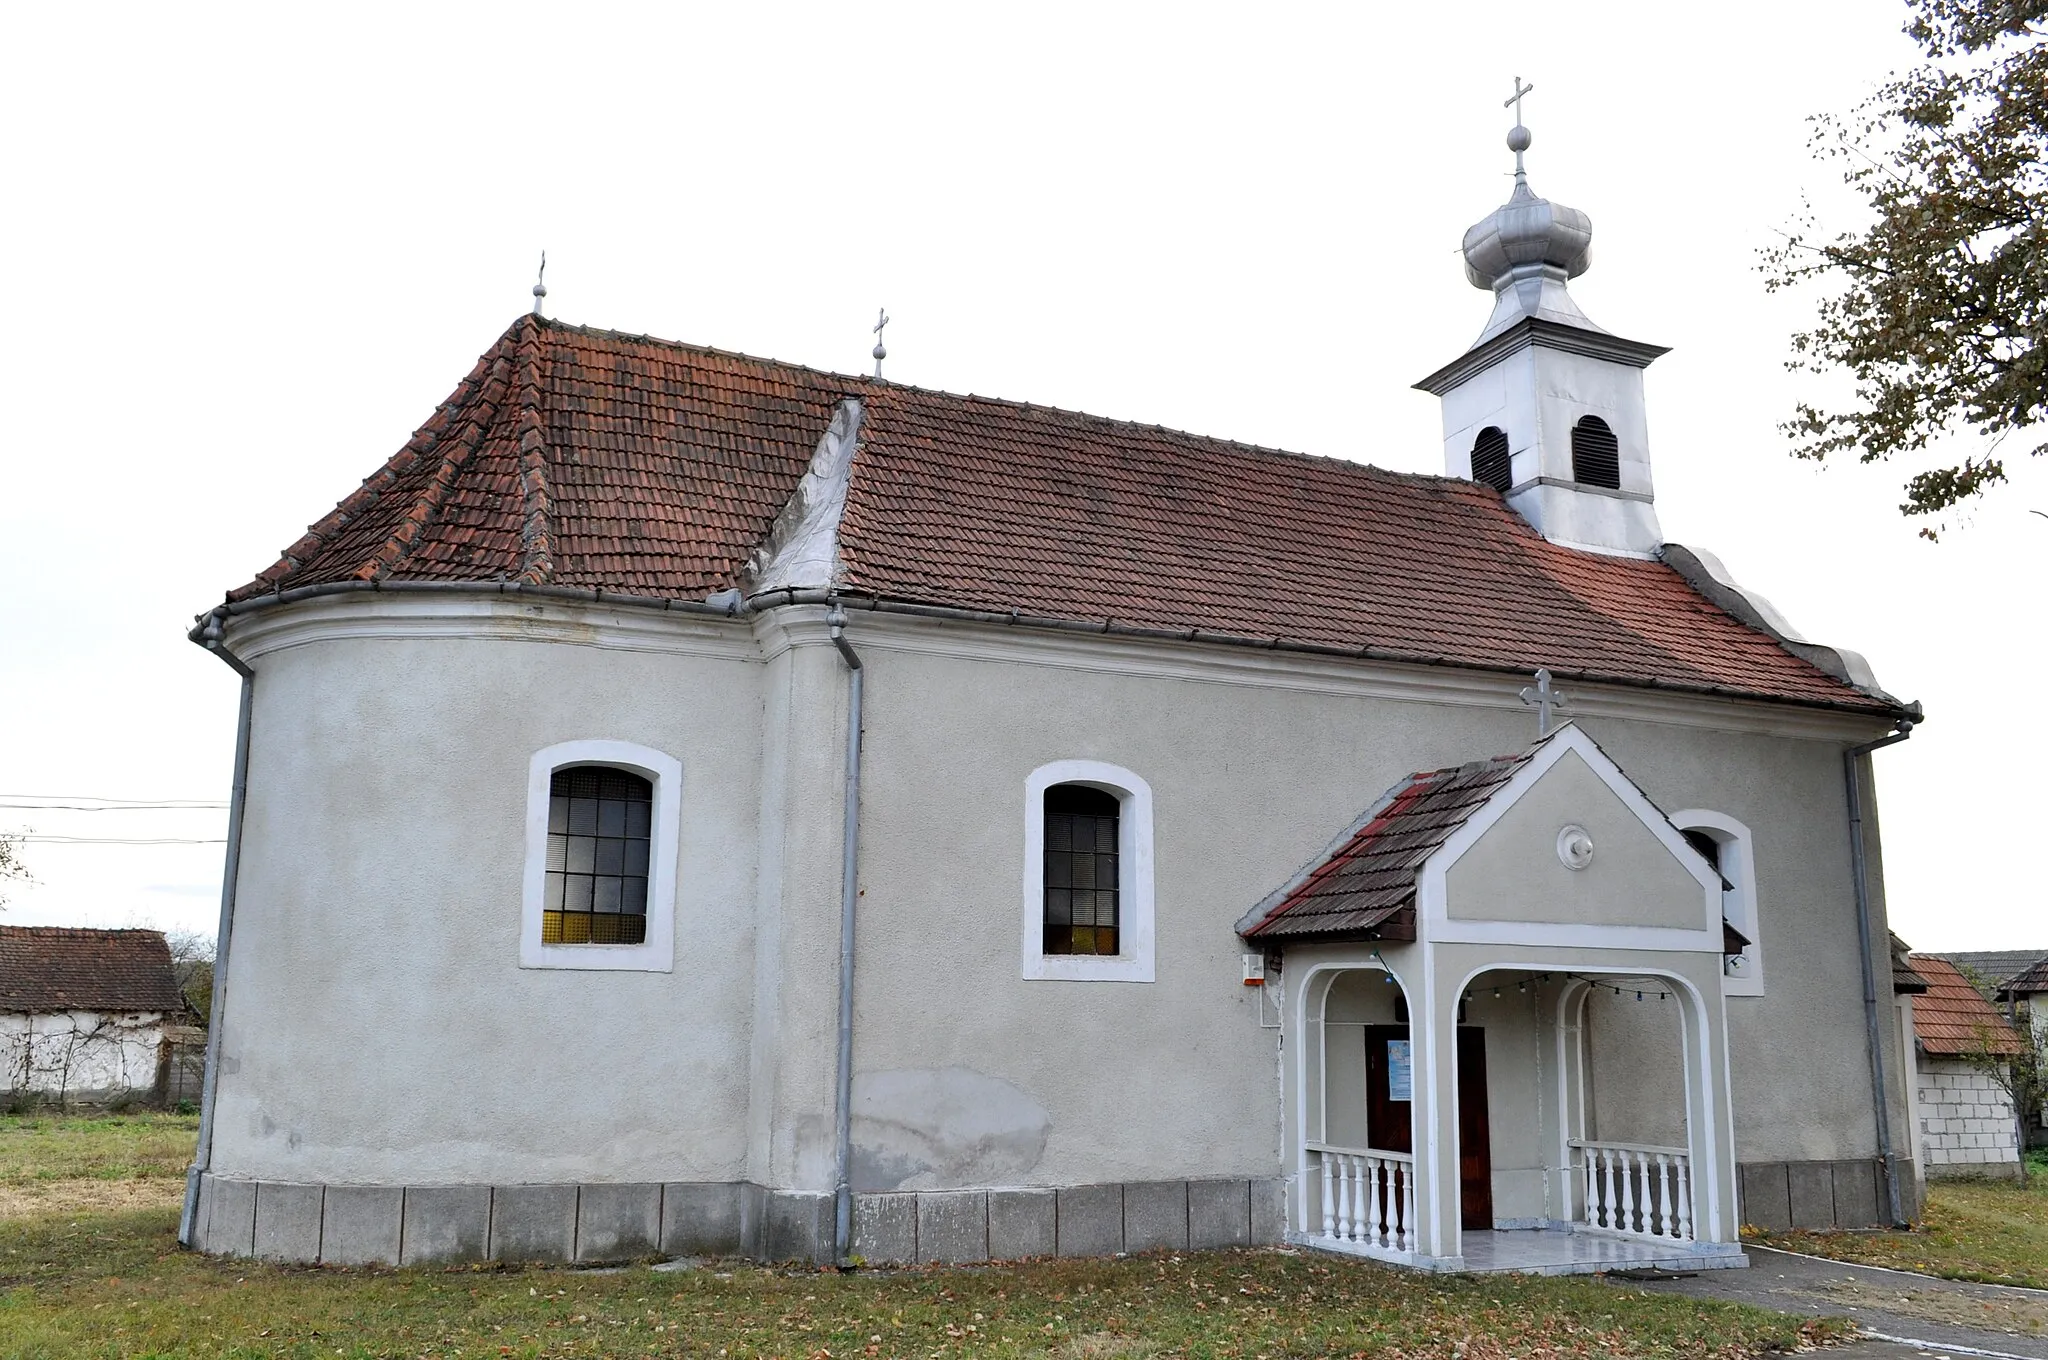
(690, 803)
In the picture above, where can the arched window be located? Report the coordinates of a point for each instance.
(1080, 870)
(1491, 461)
(603, 820)
(600, 832)
(1087, 873)
(1725, 843)
(1596, 454)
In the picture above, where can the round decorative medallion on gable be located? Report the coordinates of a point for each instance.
(1575, 847)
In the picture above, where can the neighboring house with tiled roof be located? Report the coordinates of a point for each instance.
(83, 1013)
(1214, 837)
(2016, 981)
(1964, 1114)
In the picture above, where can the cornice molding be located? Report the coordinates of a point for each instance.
(1455, 686)
(455, 614)
(1533, 332)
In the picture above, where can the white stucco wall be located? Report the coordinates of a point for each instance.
(80, 1054)
(1966, 1121)
(378, 1027)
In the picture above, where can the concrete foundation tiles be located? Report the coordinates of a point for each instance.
(885, 1228)
(701, 1220)
(1766, 1200)
(1091, 1220)
(1219, 1214)
(617, 1222)
(446, 1223)
(1812, 1187)
(533, 1223)
(1860, 1201)
(797, 1227)
(287, 1221)
(1022, 1223)
(1156, 1216)
(1269, 1211)
(230, 1216)
(952, 1225)
(360, 1225)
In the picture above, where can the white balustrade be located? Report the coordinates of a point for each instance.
(1366, 1196)
(1637, 1188)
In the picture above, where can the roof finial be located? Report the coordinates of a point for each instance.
(1518, 136)
(540, 287)
(882, 319)
(1547, 700)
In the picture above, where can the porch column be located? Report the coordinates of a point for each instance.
(1433, 1035)
(1711, 1130)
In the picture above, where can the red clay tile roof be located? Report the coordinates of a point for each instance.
(589, 459)
(1365, 885)
(56, 968)
(1952, 1018)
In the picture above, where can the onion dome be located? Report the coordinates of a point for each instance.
(1525, 251)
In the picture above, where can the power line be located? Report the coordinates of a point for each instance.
(117, 808)
(93, 799)
(124, 840)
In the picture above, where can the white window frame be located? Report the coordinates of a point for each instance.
(1134, 876)
(1738, 903)
(655, 954)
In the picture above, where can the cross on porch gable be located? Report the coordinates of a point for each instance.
(1547, 700)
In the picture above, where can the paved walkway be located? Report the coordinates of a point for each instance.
(1923, 1316)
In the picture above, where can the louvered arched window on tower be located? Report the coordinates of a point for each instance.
(1596, 454)
(1491, 462)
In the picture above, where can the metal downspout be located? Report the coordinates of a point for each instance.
(849, 893)
(208, 635)
(1859, 872)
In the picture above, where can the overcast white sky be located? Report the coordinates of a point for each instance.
(249, 250)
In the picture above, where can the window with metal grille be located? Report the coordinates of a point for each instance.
(1491, 462)
(1596, 454)
(1081, 915)
(599, 825)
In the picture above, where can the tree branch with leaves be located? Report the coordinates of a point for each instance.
(1938, 309)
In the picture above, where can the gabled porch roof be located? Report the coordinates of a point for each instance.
(1363, 885)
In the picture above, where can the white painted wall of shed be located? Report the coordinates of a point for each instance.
(378, 1028)
(80, 1054)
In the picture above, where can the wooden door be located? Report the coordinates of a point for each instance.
(1475, 1144)
(1388, 1123)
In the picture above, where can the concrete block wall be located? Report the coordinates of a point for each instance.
(1075, 1220)
(1966, 1121)
(1848, 1193)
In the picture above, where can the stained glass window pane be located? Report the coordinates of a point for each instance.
(1080, 870)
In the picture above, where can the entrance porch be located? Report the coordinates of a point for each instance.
(1564, 1115)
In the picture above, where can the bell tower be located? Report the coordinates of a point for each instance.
(1546, 407)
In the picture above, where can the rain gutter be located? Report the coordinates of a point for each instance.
(208, 635)
(849, 896)
(1855, 760)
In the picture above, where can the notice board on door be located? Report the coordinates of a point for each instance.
(1400, 1071)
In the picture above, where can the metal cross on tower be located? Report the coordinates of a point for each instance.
(881, 320)
(1518, 137)
(1547, 700)
(540, 284)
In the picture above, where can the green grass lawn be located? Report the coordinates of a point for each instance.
(110, 1285)
(1992, 1231)
(83, 1276)
(56, 1163)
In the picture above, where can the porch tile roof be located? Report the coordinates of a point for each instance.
(1952, 1019)
(595, 460)
(44, 969)
(1364, 885)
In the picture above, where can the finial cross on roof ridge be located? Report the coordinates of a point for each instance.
(881, 320)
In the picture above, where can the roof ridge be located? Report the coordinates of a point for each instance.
(880, 389)
(536, 525)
